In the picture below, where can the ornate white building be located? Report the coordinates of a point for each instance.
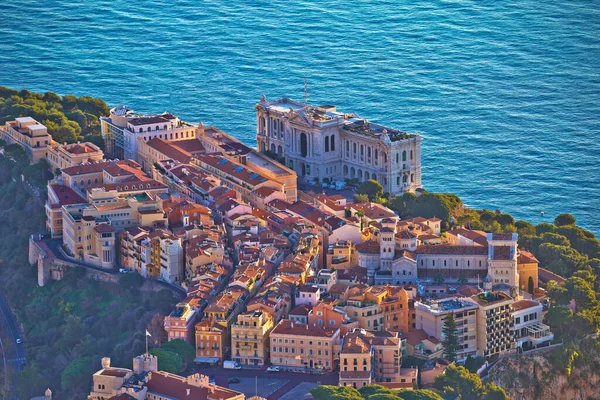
(320, 142)
(123, 129)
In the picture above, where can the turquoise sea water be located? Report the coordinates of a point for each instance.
(506, 93)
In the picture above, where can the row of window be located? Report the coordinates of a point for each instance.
(445, 263)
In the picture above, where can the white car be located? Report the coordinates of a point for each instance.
(123, 270)
(273, 369)
(18, 340)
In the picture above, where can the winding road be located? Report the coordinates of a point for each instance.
(13, 353)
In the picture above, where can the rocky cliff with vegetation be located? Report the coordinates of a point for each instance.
(570, 372)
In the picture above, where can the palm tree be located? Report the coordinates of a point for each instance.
(360, 214)
(438, 279)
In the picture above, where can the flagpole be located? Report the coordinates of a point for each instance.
(146, 343)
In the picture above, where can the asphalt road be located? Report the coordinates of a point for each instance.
(13, 353)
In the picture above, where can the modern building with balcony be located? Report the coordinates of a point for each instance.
(321, 142)
(495, 324)
(529, 331)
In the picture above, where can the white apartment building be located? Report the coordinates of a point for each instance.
(430, 317)
(321, 142)
(529, 331)
(122, 130)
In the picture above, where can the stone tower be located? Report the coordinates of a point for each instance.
(145, 363)
(502, 259)
(387, 243)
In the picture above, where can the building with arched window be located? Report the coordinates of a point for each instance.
(321, 142)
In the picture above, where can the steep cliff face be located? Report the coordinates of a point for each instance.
(549, 376)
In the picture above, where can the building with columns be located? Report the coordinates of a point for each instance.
(321, 142)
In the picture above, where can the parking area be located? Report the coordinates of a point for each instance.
(300, 392)
(264, 386)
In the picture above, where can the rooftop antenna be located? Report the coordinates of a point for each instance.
(305, 91)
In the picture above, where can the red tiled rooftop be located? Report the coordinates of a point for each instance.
(287, 327)
(66, 195)
(524, 304)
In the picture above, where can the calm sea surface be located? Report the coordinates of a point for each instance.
(505, 93)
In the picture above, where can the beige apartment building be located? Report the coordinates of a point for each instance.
(304, 347)
(59, 196)
(370, 357)
(250, 338)
(32, 136)
(62, 156)
(431, 315)
(89, 228)
(341, 255)
(211, 341)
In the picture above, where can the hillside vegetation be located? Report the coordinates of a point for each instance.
(68, 325)
(68, 118)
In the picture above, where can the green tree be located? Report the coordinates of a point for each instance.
(564, 219)
(370, 390)
(560, 318)
(491, 391)
(328, 392)
(371, 188)
(462, 279)
(555, 238)
(530, 285)
(168, 361)
(524, 228)
(544, 227)
(439, 279)
(184, 349)
(78, 372)
(474, 363)
(460, 383)
(486, 216)
(450, 340)
(419, 394)
(504, 219)
(360, 198)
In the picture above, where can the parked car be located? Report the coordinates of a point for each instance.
(273, 368)
(233, 380)
(123, 270)
(18, 340)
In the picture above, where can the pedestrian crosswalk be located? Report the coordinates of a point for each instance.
(20, 360)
